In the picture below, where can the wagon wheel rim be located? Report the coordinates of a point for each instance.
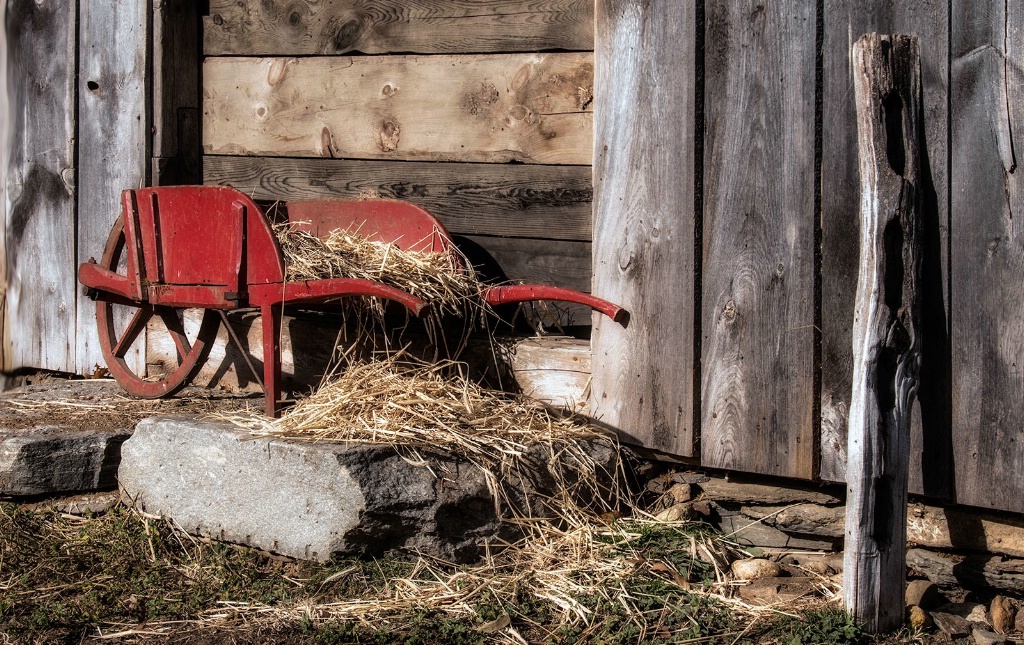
(118, 340)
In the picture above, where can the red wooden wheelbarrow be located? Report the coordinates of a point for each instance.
(211, 247)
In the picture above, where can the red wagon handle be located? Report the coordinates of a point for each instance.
(510, 294)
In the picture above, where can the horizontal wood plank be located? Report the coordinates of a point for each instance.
(512, 200)
(384, 26)
(556, 263)
(530, 108)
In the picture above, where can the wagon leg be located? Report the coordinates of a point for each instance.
(271, 358)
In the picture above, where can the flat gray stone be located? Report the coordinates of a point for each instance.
(63, 436)
(311, 500)
(46, 460)
(749, 532)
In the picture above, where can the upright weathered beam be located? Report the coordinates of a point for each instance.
(113, 130)
(39, 178)
(886, 327)
(988, 252)
(930, 447)
(644, 220)
(757, 398)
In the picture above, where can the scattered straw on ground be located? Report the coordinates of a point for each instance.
(574, 561)
(103, 410)
(443, 279)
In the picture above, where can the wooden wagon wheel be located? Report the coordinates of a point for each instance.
(117, 340)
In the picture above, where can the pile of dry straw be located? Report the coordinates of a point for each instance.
(444, 279)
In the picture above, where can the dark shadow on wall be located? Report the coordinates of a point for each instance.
(936, 386)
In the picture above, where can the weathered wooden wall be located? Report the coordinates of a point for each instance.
(294, 108)
(758, 330)
(644, 208)
(777, 198)
(722, 136)
(113, 137)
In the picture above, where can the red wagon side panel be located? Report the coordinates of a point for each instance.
(405, 225)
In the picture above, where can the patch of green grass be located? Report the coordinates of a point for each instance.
(66, 576)
(62, 578)
(826, 626)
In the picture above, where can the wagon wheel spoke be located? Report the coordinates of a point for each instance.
(132, 331)
(176, 328)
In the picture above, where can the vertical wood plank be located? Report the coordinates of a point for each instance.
(643, 220)
(987, 125)
(5, 112)
(113, 131)
(5, 116)
(176, 143)
(39, 178)
(845, 21)
(758, 268)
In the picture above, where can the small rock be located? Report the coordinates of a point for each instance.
(979, 614)
(703, 507)
(972, 612)
(918, 618)
(774, 591)
(680, 493)
(676, 513)
(835, 561)
(922, 593)
(986, 637)
(1003, 614)
(950, 624)
(819, 568)
(755, 568)
(1018, 623)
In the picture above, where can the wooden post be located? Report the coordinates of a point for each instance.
(886, 342)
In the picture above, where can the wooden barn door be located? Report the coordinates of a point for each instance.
(74, 132)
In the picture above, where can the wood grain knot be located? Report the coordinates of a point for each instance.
(326, 143)
(521, 113)
(347, 35)
(277, 70)
(522, 76)
(388, 136)
(729, 312)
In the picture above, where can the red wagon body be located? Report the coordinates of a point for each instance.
(213, 248)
